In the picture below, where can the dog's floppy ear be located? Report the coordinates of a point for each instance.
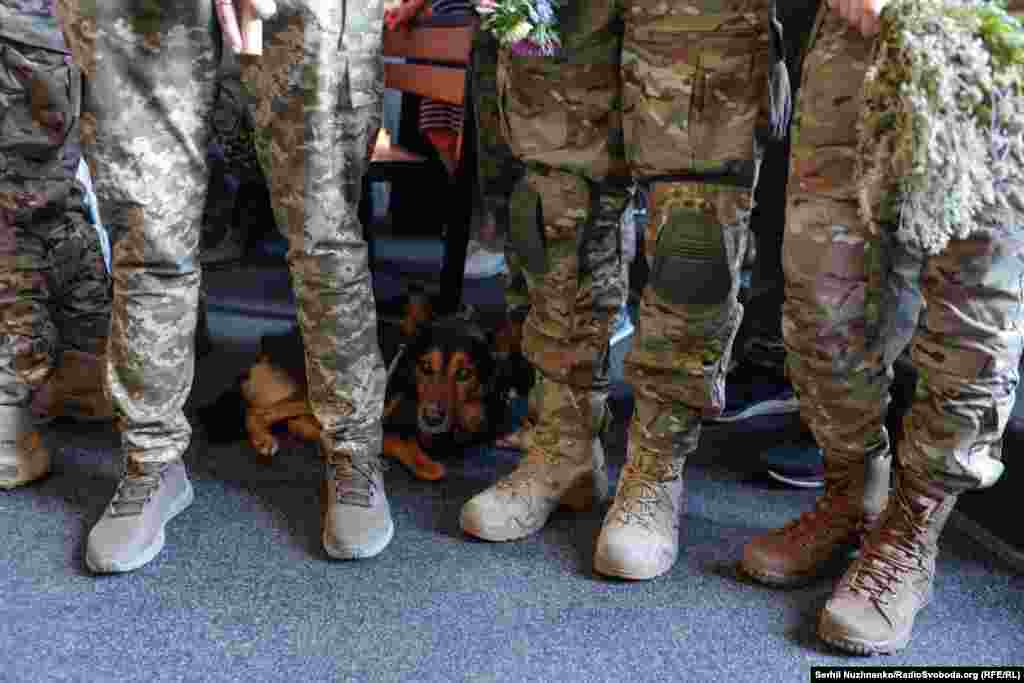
(417, 311)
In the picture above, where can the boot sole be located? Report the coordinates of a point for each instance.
(867, 648)
(150, 552)
(606, 568)
(782, 580)
(362, 552)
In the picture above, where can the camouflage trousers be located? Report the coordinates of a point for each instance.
(151, 70)
(54, 286)
(668, 94)
(854, 302)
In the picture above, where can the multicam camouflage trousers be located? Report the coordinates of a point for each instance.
(665, 93)
(854, 302)
(151, 70)
(54, 287)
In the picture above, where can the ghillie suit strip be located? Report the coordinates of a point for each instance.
(941, 132)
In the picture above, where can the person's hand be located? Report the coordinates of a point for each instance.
(860, 14)
(401, 17)
(232, 19)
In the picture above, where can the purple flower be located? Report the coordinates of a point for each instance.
(530, 48)
(544, 11)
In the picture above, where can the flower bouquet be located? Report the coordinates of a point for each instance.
(526, 27)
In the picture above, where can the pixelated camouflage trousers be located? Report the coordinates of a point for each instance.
(151, 70)
(664, 93)
(854, 302)
(54, 287)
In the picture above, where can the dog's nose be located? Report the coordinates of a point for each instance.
(433, 419)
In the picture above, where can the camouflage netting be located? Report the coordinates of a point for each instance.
(941, 133)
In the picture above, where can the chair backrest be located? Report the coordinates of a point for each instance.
(437, 54)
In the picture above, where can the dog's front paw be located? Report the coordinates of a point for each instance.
(261, 438)
(265, 447)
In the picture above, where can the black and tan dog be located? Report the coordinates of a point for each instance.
(444, 390)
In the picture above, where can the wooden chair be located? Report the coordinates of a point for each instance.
(436, 56)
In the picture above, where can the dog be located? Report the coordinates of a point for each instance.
(449, 385)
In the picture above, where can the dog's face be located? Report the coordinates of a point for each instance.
(448, 392)
(452, 372)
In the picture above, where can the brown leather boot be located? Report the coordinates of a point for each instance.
(874, 606)
(854, 497)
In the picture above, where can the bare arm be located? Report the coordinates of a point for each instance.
(860, 14)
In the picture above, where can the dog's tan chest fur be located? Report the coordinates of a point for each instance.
(268, 385)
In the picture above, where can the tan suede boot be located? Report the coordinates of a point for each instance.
(855, 495)
(75, 389)
(564, 465)
(23, 457)
(875, 604)
(640, 536)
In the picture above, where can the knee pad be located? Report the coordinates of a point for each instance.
(690, 264)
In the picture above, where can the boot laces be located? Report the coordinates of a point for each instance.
(355, 479)
(891, 553)
(644, 497)
(136, 488)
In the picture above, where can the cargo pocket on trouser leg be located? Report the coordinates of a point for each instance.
(39, 101)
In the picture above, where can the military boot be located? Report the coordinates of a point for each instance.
(357, 523)
(564, 465)
(640, 536)
(854, 497)
(875, 603)
(131, 531)
(23, 457)
(75, 389)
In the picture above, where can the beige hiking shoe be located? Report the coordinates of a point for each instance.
(131, 531)
(855, 494)
(564, 465)
(357, 522)
(23, 456)
(874, 606)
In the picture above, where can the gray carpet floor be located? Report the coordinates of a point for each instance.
(244, 592)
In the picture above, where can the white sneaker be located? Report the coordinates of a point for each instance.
(23, 457)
